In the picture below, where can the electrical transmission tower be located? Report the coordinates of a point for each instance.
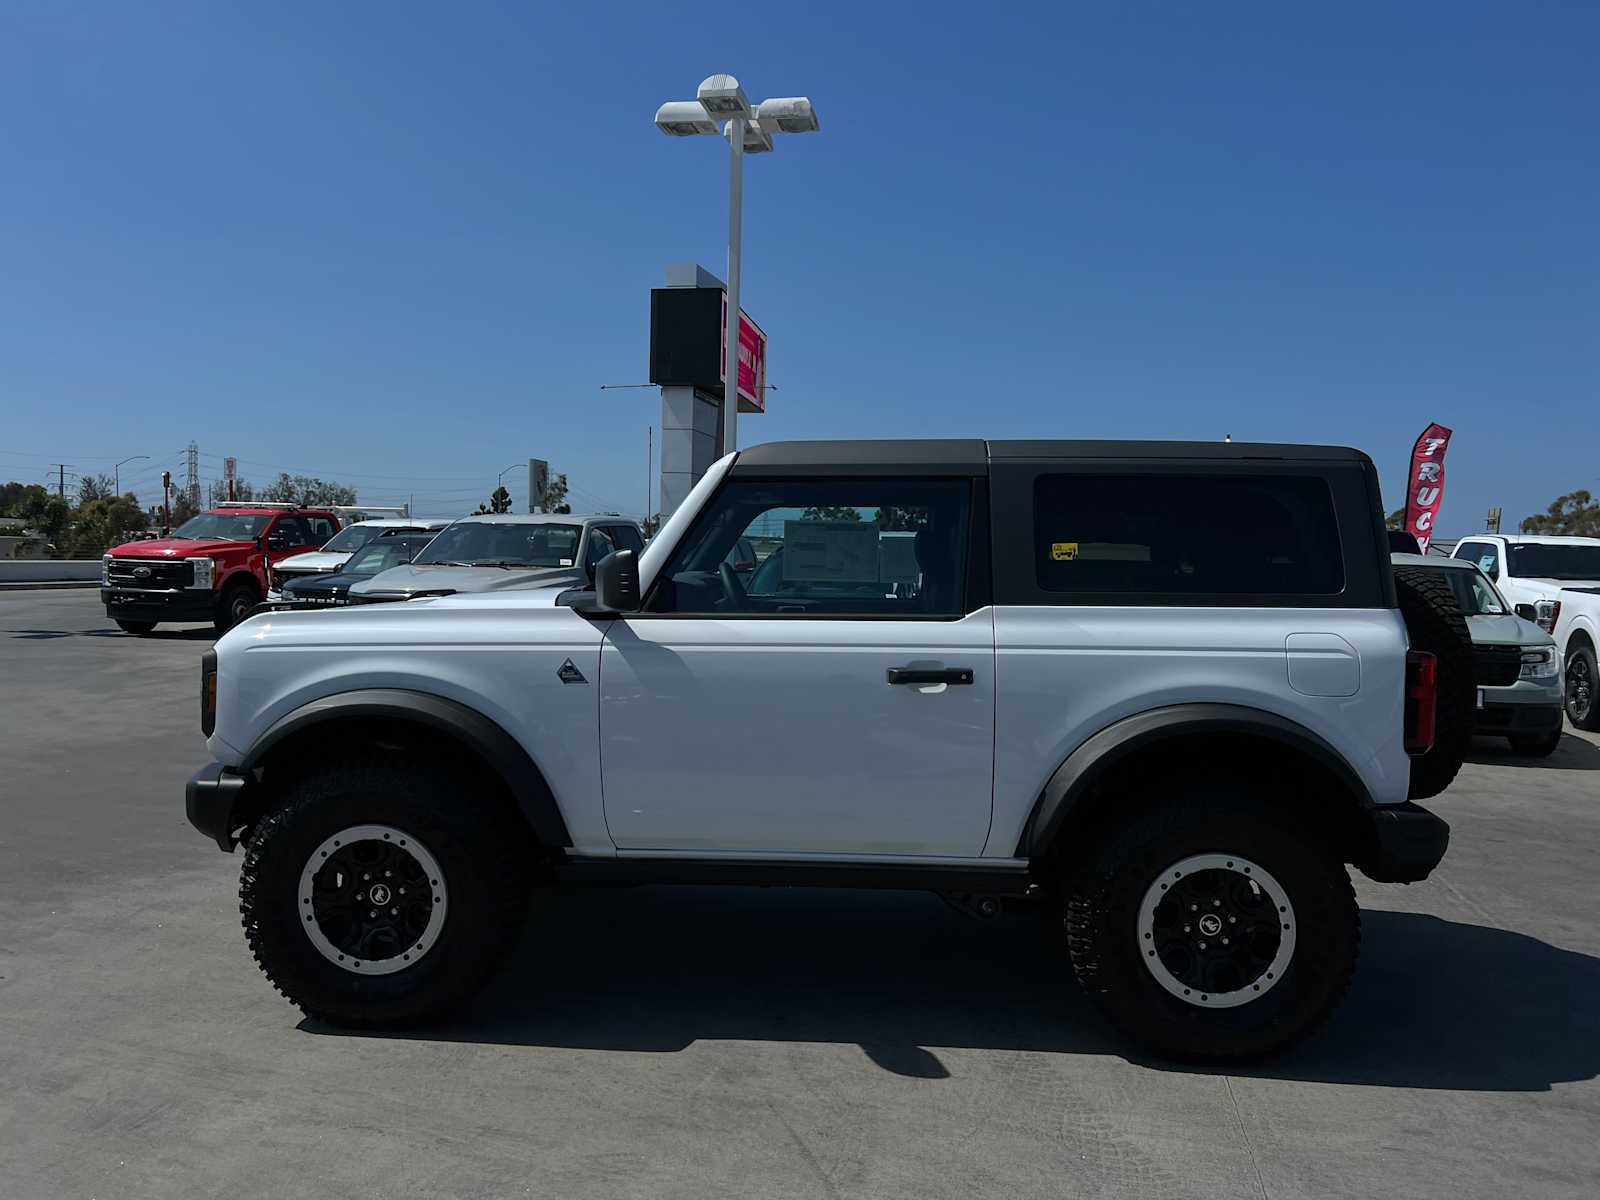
(191, 483)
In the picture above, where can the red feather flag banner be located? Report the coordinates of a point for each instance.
(1425, 485)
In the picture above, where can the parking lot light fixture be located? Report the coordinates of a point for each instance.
(116, 472)
(721, 98)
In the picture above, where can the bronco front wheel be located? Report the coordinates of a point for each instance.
(374, 896)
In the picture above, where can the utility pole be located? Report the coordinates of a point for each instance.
(61, 480)
(191, 483)
(649, 462)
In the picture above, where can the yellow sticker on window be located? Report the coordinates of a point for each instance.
(1063, 551)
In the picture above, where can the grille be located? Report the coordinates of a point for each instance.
(1496, 666)
(164, 573)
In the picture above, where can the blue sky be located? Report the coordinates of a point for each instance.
(403, 245)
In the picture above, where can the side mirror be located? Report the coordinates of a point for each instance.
(616, 582)
(1527, 612)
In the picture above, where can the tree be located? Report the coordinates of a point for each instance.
(182, 507)
(14, 494)
(1575, 513)
(1396, 519)
(499, 501)
(554, 499)
(46, 512)
(830, 512)
(95, 487)
(901, 517)
(306, 489)
(242, 490)
(102, 523)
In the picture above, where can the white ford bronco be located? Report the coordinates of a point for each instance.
(1160, 692)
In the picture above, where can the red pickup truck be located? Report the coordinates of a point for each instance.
(212, 568)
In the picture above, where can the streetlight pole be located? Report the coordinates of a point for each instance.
(500, 477)
(116, 472)
(749, 128)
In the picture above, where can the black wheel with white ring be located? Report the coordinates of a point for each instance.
(379, 895)
(1213, 926)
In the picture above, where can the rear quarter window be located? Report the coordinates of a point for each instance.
(1148, 535)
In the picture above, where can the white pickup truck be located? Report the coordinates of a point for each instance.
(1166, 691)
(1555, 582)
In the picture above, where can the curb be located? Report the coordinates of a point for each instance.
(34, 585)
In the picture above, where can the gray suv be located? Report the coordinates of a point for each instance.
(495, 551)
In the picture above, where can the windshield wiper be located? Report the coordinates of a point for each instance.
(496, 562)
(442, 562)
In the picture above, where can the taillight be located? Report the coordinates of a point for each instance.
(1422, 701)
(208, 692)
(1546, 614)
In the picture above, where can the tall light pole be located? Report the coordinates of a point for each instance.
(748, 129)
(116, 472)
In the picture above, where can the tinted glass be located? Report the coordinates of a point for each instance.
(382, 553)
(504, 543)
(1555, 562)
(352, 538)
(222, 527)
(1485, 554)
(289, 531)
(321, 529)
(881, 548)
(599, 546)
(627, 537)
(1474, 594)
(1186, 535)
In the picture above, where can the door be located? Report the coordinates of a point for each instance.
(840, 703)
(289, 535)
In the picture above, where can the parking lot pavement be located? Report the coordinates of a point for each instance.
(686, 1042)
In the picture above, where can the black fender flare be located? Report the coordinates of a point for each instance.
(1077, 775)
(497, 748)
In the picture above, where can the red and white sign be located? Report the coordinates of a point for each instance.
(752, 361)
(1425, 487)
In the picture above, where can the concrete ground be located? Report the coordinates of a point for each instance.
(663, 1043)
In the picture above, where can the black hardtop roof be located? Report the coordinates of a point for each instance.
(942, 455)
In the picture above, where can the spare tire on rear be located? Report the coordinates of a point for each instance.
(1435, 624)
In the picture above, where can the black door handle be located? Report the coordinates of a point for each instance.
(915, 675)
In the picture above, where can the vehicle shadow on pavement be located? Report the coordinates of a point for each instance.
(158, 635)
(1435, 1003)
(1573, 754)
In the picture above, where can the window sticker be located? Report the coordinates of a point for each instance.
(566, 562)
(1063, 551)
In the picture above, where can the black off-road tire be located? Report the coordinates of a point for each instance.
(234, 605)
(486, 857)
(1536, 745)
(1105, 889)
(137, 628)
(1582, 688)
(1435, 624)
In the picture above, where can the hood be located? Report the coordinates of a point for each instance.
(414, 577)
(317, 560)
(169, 547)
(1505, 629)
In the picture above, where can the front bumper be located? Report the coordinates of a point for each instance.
(1406, 843)
(212, 799)
(1525, 707)
(151, 604)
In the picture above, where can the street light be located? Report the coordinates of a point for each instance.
(116, 472)
(749, 131)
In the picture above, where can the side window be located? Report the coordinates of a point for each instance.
(1186, 535)
(288, 533)
(1488, 560)
(322, 530)
(600, 545)
(626, 537)
(824, 548)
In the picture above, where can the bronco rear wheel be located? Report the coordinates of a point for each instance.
(378, 896)
(1214, 927)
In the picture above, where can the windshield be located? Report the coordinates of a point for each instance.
(222, 527)
(1475, 595)
(504, 543)
(1534, 561)
(385, 552)
(352, 537)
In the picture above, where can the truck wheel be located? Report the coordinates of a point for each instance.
(1582, 709)
(137, 628)
(1214, 927)
(1539, 745)
(1435, 624)
(234, 606)
(379, 896)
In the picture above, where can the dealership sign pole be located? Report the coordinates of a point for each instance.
(1425, 484)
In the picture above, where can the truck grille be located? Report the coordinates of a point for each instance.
(1496, 666)
(162, 573)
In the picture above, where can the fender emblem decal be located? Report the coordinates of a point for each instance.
(570, 673)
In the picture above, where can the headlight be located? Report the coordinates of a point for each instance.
(1540, 665)
(203, 573)
(105, 570)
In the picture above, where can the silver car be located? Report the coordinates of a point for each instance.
(1516, 664)
(493, 551)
